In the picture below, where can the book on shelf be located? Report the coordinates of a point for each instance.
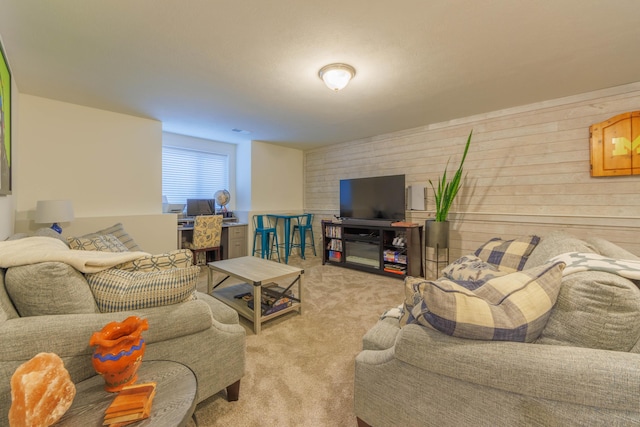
(395, 268)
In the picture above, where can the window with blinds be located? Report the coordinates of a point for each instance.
(192, 174)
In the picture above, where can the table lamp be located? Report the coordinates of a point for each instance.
(54, 211)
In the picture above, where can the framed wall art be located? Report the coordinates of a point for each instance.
(5, 124)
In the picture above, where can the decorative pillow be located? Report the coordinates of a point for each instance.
(508, 255)
(49, 288)
(105, 243)
(120, 290)
(180, 258)
(514, 307)
(118, 231)
(471, 272)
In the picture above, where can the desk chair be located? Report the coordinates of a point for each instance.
(207, 230)
(263, 227)
(304, 226)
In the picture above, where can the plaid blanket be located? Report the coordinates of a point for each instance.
(578, 261)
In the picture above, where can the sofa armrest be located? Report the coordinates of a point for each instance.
(382, 335)
(597, 378)
(68, 335)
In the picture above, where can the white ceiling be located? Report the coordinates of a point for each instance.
(205, 67)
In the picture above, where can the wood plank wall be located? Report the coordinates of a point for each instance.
(527, 172)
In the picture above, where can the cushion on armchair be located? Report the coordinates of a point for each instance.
(180, 258)
(508, 255)
(118, 231)
(48, 288)
(471, 270)
(119, 290)
(513, 307)
(104, 243)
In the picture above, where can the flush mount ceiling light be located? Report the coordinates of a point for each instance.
(336, 76)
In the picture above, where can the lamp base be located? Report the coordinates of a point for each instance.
(56, 227)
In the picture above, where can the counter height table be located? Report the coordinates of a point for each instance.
(287, 231)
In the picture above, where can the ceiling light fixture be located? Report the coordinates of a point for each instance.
(336, 76)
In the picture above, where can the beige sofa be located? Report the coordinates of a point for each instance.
(201, 333)
(583, 369)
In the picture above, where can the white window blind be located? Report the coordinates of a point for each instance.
(192, 174)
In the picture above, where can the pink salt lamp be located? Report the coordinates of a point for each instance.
(41, 392)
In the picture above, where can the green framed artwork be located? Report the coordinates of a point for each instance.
(5, 124)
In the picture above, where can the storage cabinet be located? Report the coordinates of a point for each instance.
(236, 241)
(389, 250)
(615, 146)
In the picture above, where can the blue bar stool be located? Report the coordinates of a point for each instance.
(268, 237)
(304, 225)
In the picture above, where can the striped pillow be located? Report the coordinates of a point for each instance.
(120, 290)
(514, 307)
(508, 255)
(118, 231)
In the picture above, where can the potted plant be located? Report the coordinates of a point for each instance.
(444, 194)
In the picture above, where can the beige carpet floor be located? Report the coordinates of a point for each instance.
(300, 368)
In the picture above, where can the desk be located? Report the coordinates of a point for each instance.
(173, 404)
(233, 240)
(287, 231)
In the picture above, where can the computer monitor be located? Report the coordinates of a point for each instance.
(197, 207)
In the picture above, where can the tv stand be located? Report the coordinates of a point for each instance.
(372, 222)
(374, 246)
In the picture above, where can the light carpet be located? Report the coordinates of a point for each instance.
(300, 368)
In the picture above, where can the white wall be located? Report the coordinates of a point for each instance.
(108, 164)
(276, 178)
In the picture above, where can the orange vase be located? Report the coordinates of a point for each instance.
(118, 352)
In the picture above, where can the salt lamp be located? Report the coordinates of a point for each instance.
(41, 392)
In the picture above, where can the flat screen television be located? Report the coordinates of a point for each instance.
(379, 197)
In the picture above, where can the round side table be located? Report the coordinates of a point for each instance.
(173, 404)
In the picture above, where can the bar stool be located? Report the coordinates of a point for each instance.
(268, 237)
(304, 225)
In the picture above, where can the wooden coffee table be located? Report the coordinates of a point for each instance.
(173, 404)
(256, 273)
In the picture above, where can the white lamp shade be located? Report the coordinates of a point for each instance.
(53, 211)
(337, 76)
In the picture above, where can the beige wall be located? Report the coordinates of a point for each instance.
(108, 164)
(527, 171)
(276, 178)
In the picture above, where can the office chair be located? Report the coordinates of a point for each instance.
(207, 230)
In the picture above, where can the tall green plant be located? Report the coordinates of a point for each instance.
(446, 192)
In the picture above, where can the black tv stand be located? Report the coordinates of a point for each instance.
(372, 222)
(375, 247)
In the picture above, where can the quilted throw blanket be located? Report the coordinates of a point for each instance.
(578, 261)
(31, 250)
